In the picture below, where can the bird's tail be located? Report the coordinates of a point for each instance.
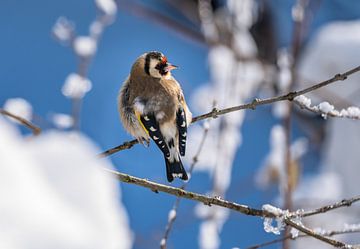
(175, 169)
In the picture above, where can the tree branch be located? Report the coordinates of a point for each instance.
(252, 105)
(244, 209)
(325, 233)
(314, 234)
(35, 129)
(207, 200)
(324, 209)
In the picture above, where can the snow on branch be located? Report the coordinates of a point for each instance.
(252, 105)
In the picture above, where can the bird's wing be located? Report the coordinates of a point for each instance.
(182, 128)
(151, 126)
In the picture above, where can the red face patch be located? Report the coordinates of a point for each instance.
(164, 60)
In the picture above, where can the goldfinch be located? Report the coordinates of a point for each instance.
(152, 106)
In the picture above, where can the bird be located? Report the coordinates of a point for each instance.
(152, 106)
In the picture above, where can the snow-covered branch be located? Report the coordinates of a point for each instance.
(326, 109)
(252, 105)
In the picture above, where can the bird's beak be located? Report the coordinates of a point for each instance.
(170, 67)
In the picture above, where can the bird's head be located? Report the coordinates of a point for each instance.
(156, 65)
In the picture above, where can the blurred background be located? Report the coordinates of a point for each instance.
(229, 52)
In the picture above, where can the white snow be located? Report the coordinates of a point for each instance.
(96, 29)
(352, 227)
(107, 6)
(326, 107)
(273, 169)
(76, 86)
(162, 242)
(351, 112)
(55, 194)
(206, 125)
(85, 46)
(294, 233)
(208, 235)
(297, 12)
(19, 107)
(172, 215)
(210, 227)
(303, 100)
(62, 120)
(63, 29)
(271, 209)
(279, 220)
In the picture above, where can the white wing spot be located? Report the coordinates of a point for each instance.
(184, 134)
(160, 142)
(184, 140)
(155, 138)
(152, 129)
(183, 124)
(146, 118)
(177, 175)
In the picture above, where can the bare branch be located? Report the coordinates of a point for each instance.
(124, 146)
(35, 129)
(314, 234)
(207, 200)
(324, 209)
(324, 233)
(252, 105)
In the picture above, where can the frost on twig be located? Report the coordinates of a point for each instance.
(279, 219)
(326, 109)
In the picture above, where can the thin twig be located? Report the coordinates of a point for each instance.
(178, 199)
(207, 200)
(252, 105)
(324, 209)
(325, 233)
(316, 235)
(124, 146)
(35, 129)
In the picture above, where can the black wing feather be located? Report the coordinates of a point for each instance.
(152, 126)
(182, 128)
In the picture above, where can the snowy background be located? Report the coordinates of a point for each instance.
(54, 193)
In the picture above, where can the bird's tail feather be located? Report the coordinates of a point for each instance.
(175, 169)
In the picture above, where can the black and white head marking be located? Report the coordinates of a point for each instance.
(156, 64)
